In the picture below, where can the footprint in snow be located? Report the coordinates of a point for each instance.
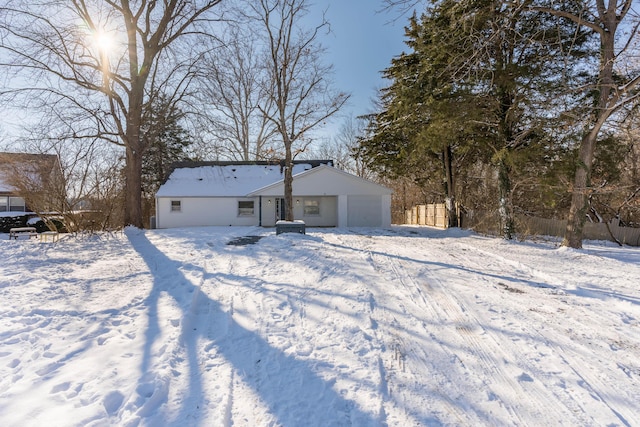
(113, 401)
(60, 387)
(524, 377)
(151, 395)
(45, 370)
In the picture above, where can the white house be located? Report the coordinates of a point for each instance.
(235, 193)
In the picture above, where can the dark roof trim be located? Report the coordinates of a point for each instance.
(194, 164)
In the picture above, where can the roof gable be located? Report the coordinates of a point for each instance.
(325, 180)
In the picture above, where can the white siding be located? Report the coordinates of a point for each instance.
(202, 211)
(328, 211)
(365, 211)
(326, 181)
(368, 211)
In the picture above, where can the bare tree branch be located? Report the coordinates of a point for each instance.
(62, 57)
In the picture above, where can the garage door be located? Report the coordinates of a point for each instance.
(364, 211)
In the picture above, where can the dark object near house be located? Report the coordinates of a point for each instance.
(290, 227)
(245, 240)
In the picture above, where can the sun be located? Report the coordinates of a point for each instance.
(103, 41)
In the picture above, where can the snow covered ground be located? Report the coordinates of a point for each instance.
(410, 326)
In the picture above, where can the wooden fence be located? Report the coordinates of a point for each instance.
(435, 215)
(592, 231)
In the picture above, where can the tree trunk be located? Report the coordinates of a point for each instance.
(450, 200)
(288, 184)
(579, 197)
(582, 179)
(134, 153)
(505, 207)
(133, 189)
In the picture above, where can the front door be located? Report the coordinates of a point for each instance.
(281, 212)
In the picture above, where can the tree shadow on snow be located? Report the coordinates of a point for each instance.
(295, 396)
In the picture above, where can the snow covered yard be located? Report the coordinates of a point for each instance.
(403, 327)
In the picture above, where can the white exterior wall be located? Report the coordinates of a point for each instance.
(368, 211)
(203, 211)
(328, 211)
(358, 202)
(386, 210)
(328, 182)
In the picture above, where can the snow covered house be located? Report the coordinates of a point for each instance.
(240, 193)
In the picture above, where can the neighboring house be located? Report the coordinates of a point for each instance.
(9, 201)
(237, 193)
(22, 174)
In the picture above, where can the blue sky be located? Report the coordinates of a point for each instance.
(362, 42)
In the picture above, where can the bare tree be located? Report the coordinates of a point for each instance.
(342, 148)
(99, 59)
(616, 26)
(235, 107)
(298, 83)
(37, 178)
(78, 184)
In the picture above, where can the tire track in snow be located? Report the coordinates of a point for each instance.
(379, 347)
(227, 386)
(374, 351)
(488, 352)
(373, 354)
(594, 388)
(400, 342)
(272, 342)
(533, 277)
(531, 365)
(508, 380)
(385, 370)
(448, 313)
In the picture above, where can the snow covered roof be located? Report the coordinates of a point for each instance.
(224, 179)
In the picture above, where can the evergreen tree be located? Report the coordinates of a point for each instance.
(167, 142)
(479, 84)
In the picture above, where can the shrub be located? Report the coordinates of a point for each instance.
(24, 220)
(9, 222)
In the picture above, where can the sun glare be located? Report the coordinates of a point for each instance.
(103, 41)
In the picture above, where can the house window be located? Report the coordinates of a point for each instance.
(4, 203)
(245, 208)
(176, 206)
(311, 207)
(16, 204)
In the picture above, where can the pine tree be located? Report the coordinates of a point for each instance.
(480, 82)
(167, 142)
